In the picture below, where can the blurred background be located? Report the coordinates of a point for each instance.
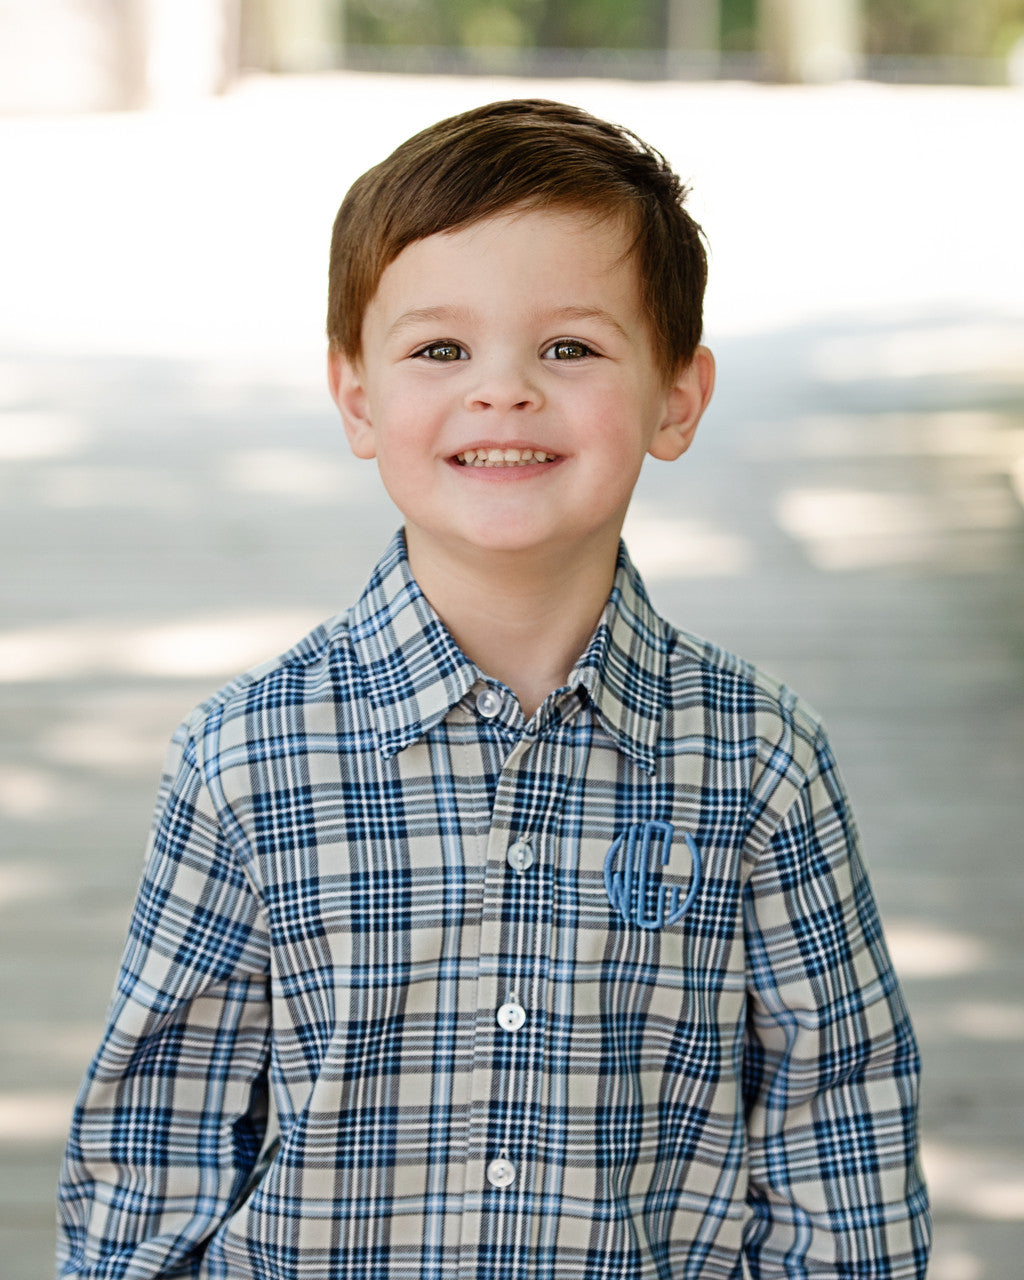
(176, 501)
(115, 54)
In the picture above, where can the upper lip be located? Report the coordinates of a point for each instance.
(521, 445)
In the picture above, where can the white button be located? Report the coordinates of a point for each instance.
(511, 1016)
(488, 703)
(501, 1172)
(520, 856)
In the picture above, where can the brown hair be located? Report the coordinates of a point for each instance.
(527, 153)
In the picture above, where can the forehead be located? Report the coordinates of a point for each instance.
(564, 256)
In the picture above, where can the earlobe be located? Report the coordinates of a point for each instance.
(687, 399)
(346, 381)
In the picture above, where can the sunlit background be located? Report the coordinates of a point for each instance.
(176, 501)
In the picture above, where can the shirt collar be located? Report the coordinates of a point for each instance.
(623, 667)
(415, 672)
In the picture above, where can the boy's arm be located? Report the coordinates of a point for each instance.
(831, 1066)
(172, 1114)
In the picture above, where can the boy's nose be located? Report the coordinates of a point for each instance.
(503, 387)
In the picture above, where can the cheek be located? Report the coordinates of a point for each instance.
(407, 406)
(600, 403)
(620, 417)
(408, 431)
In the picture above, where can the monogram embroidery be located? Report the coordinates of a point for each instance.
(636, 891)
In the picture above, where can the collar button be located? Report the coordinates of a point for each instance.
(489, 703)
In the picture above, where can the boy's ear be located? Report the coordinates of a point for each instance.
(688, 397)
(345, 379)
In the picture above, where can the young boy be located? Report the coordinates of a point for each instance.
(541, 923)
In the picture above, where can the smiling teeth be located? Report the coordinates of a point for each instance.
(502, 457)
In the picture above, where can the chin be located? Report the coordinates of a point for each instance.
(508, 540)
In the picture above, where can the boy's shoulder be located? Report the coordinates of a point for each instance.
(733, 695)
(306, 672)
(385, 649)
(735, 684)
(752, 727)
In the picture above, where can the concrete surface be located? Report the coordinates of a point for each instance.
(176, 502)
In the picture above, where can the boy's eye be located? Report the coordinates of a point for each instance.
(442, 352)
(568, 349)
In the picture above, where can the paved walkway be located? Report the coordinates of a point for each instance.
(176, 502)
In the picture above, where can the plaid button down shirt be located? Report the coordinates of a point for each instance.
(599, 995)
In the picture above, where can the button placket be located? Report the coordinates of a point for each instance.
(503, 1066)
(494, 1171)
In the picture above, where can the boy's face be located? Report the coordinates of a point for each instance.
(518, 340)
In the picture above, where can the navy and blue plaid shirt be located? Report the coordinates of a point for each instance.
(601, 994)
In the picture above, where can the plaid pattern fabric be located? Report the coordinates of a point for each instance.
(600, 995)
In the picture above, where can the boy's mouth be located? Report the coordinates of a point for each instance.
(502, 457)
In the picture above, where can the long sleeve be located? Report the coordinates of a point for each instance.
(831, 1065)
(172, 1113)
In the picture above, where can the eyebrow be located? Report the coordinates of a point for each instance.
(408, 319)
(590, 313)
(457, 315)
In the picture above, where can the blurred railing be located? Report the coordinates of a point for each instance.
(74, 55)
(652, 64)
(623, 64)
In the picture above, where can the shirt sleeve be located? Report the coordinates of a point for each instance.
(172, 1113)
(831, 1065)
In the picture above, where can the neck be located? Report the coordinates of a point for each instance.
(523, 619)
